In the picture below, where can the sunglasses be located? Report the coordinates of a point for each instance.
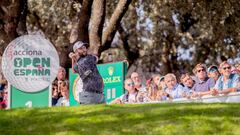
(201, 70)
(130, 84)
(225, 68)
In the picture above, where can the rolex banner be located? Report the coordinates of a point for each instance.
(113, 75)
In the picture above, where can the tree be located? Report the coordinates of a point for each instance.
(12, 21)
(157, 36)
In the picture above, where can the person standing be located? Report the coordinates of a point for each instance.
(86, 66)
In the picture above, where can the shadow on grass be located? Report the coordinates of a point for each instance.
(121, 119)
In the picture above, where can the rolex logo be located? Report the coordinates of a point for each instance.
(110, 71)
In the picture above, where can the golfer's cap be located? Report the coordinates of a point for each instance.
(78, 44)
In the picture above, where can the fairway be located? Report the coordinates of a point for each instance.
(142, 119)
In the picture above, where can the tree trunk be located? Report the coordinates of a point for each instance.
(131, 55)
(82, 24)
(97, 21)
(12, 20)
(84, 18)
(114, 22)
(22, 19)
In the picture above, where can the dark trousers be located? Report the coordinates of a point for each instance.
(86, 97)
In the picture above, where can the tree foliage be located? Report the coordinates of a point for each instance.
(175, 35)
(154, 35)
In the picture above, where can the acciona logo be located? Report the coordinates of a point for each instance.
(30, 63)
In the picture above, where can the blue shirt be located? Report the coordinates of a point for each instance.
(87, 69)
(202, 86)
(232, 82)
(187, 90)
(176, 92)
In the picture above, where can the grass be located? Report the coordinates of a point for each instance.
(152, 119)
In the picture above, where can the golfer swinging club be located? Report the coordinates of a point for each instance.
(85, 65)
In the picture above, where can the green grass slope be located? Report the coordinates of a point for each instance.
(162, 119)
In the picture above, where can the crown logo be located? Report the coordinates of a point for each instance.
(110, 71)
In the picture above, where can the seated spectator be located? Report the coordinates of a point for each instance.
(203, 83)
(162, 83)
(1, 99)
(173, 89)
(3, 83)
(161, 94)
(139, 85)
(130, 96)
(237, 66)
(55, 94)
(153, 86)
(213, 72)
(156, 88)
(61, 78)
(188, 83)
(227, 82)
(64, 100)
(142, 97)
(3, 104)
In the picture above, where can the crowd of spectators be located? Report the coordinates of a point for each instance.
(214, 80)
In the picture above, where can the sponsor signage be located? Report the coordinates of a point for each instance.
(113, 75)
(30, 63)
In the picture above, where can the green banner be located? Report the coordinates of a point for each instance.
(113, 75)
(19, 98)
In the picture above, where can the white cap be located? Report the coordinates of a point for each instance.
(77, 45)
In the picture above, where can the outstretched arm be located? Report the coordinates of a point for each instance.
(74, 60)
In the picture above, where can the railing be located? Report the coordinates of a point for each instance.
(230, 98)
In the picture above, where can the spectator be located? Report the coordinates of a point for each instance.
(152, 87)
(3, 104)
(64, 100)
(227, 82)
(61, 76)
(213, 72)
(139, 85)
(203, 83)
(155, 88)
(130, 96)
(162, 83)
(3, 93)
(173, 89)
(1, 98)
(188, 83)
(237, 66)
(56, 92)
(3, 83)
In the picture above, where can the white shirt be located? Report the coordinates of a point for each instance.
(63, 102)
(132, 98)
